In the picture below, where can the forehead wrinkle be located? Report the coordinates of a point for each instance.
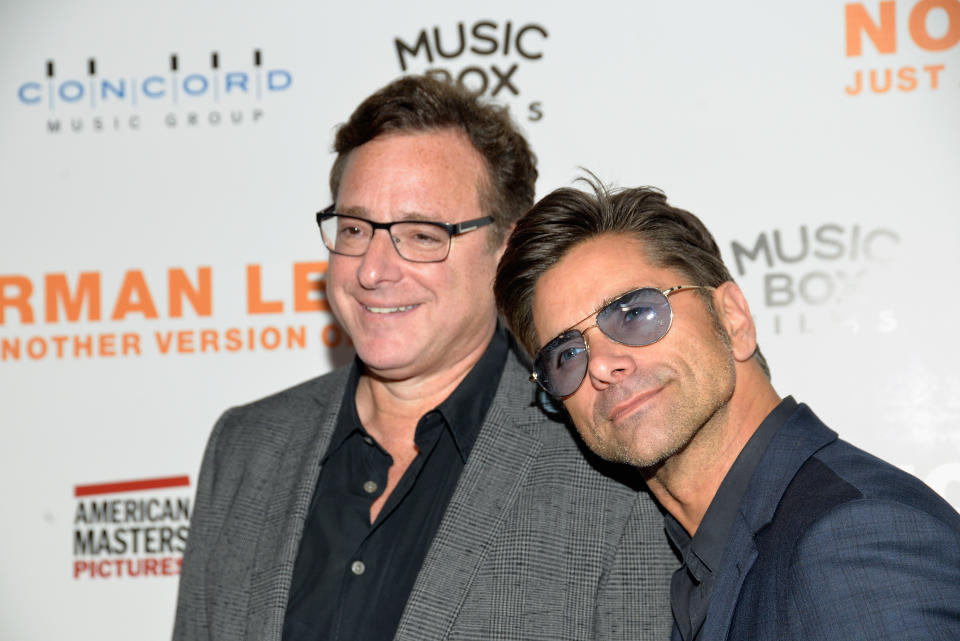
(405, 165)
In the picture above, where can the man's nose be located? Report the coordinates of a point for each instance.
(382, 263)
(610, 362)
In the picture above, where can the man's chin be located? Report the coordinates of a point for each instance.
(393, 365)
(625, 448)
(387, 369)
(620, 453)
(383, 357)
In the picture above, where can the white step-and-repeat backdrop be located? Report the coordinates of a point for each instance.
(160, 164)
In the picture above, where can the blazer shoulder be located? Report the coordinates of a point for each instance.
(875, 479)
(321, 389)
(841, 478)
(859, 549)
(875, 568)
(286, 418)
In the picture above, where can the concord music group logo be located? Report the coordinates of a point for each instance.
(180, 96)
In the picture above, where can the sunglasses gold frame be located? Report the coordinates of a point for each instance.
(583, 332)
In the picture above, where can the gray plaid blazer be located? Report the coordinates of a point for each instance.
(536, 542)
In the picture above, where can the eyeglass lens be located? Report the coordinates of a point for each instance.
(638, 318)
(414, 241)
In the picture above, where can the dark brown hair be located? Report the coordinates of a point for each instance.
(672, 238)
(420, 104)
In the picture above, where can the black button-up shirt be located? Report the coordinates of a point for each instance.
(692, 583)
(352, 578)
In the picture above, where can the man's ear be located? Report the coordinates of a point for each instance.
(735, 317)
(503, 242)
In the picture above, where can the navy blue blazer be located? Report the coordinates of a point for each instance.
(833, 543)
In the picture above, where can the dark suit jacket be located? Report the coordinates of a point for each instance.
(535, 543)
(833, 543)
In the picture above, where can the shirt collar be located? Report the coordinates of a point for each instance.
(348, 421)
(703, 553)
(465, 409)
(462, 412)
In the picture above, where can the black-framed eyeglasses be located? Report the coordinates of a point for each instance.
(419, 241)
(637, 318)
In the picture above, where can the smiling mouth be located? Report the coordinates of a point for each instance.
(388, 310)
(625, 409)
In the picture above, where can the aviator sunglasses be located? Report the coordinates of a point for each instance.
(639, 317)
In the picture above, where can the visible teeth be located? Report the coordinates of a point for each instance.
(388, 310)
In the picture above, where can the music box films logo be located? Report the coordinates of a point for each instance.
(898, 46)
(816, 278)
(220, 90)
(489, 58)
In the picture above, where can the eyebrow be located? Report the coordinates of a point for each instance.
(603, 304)
(600, 306)
(607, 301)
(362, 212)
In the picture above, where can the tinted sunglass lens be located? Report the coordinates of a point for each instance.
(640, 317)
(562, 364)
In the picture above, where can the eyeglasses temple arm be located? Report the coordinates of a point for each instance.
(470, 225)
(677, 288)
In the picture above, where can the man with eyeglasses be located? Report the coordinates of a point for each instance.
(786, 532)
(419, 493)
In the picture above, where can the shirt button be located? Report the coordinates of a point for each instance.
(370, 487)
(368, 440)
(357, 567)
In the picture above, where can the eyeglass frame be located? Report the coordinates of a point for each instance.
(533, 378)
(452, 229)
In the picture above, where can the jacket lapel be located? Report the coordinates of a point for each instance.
(796, 441)
(507, 445)
(306, 427)
(738, 558)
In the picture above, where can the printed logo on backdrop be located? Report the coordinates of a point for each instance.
(83, 95)
(130, 529)
(902, 46)
(486, 57)
(103, 315)
(813, 277)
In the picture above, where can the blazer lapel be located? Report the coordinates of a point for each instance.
(738, 558)
(796, 441)
(506, 446)
(307, 426)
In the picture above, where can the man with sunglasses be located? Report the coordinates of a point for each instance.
(419, 493)
(785, 531)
